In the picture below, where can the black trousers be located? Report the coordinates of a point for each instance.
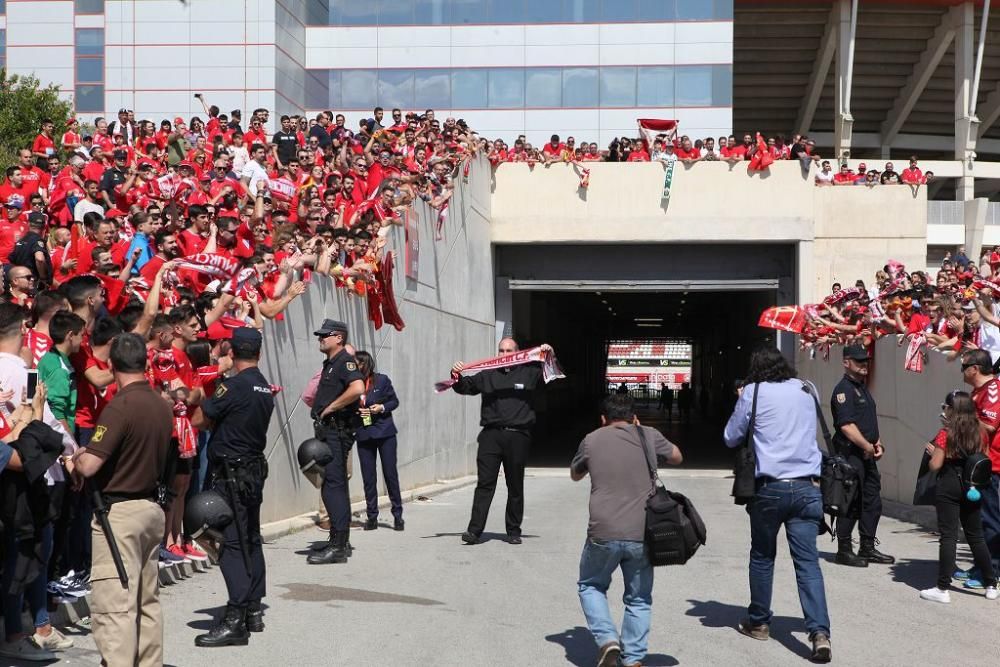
(867, 509)
(384, 448)
(953, 508)
(245, 588)
(336, 497)
(500, 447)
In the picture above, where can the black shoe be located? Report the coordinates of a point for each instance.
(371, 524)
(255, 620)
(850, 559)
(513, 539)
(230, 631)
(399, 524)
(335, 552)
(873, 555)
(469, 538)
(822, 651)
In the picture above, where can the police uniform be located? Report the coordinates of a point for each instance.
(240, 411)
(852, 403)
(507, 417)
(337, 430)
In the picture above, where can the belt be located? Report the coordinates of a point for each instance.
(766, 479)
(515, 429)
(112, 498)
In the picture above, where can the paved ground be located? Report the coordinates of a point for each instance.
(422, 598)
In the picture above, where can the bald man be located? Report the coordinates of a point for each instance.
(507, 417)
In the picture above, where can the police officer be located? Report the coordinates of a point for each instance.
(856, 438)
(507, 416)
(238, 415)
(126, 461)
(335, 419)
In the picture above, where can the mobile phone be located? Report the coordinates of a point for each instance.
(32, 383)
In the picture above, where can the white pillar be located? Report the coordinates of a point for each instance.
(966, 124)
(843, 121)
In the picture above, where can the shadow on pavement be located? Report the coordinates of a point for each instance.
(582, 651)
(485, 537)
(714, 614)
(915, 573)
(206, 623)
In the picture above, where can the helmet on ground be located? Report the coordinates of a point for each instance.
(314, 455)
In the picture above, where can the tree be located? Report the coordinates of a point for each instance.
(24, 103)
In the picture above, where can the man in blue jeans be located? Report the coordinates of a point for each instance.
(778, 413)
(619, 486)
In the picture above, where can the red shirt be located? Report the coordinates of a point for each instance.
(43, 145)
(912, 175)
(10, 234)
(90, 400)
(987, 400)
(918, 323)
(185, 371)
(71, 139)
(191, 242)
(638, 156)
(842, 177)
(33, 179)
(151, 268)
(38, 343)
(941, 439)
(7, 190)
(94, 171)
(682, 154)
(549, 149)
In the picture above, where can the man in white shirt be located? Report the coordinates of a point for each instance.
(254, 172)
(825, 175)
(90, 203)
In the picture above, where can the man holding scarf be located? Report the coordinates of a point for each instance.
(507, 417)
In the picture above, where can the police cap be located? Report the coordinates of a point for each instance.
(330, 327)
(246, 343)
(856, 352)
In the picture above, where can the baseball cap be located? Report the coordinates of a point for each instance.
(178, 120)
(856, 352)
(14, 201)
(205, 177)
(330, 327)
(36, 218)
(115, 213)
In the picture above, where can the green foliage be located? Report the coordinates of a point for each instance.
(23, 105)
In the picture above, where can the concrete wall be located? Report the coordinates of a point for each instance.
(908, 406)
(841, 233)
(448, 313)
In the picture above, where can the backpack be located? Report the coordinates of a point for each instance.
(674, 529)
(838, 479)
(976, 474)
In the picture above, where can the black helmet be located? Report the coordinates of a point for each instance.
(314, 455)
(207, 513)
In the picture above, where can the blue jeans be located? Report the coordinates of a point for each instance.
(599, 560)
(35, 591)
(991, 520)
(798, 506)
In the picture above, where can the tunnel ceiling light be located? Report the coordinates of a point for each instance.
(648, 324)
(648, 319)
(604, 302)
(597, 293)
(683, 301)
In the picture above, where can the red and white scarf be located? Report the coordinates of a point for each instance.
(217, 266)
(915, 353)
(550, 366)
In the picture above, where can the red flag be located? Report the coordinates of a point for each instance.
(650, 127)
(762, 158)
(784, 318)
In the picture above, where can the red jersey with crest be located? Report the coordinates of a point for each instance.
(987, 400)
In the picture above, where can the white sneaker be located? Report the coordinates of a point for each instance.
(992, 593)
(936, 595)
(54, 641)
(25, 649)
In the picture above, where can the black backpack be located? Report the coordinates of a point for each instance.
(674, 529)
(838, 480)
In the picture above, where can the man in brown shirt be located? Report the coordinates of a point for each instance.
(125, 461)
(619, 485)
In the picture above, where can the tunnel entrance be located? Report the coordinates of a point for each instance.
(642, 332)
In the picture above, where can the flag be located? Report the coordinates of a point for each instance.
(986, 284)
(650, 127)
(783, 318)
(217, 266)
(668, 180)
(762, 157)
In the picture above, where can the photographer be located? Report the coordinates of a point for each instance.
(783, 413)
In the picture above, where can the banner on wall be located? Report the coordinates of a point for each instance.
(412, 227)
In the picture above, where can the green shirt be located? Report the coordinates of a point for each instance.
(56, 371)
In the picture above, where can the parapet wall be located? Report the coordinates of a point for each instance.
(908, 406)
(448, 311)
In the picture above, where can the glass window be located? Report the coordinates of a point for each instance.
(507, 11)
(90, 70)
(582, 11)
(694, 10)
(542, 87)
(90, 41)
(318, 12)
(431, 89)
(89, 6)
(468, 89)
(506, 88)
(724, 9)
(89, 98)
(358, 88)
(353, 12)
(469, 11)
(544, 11)
(317, 85)
(620, 10)
(430, 12)
(693, 86)
(395, 88)
(659, 10)
(656, 87)
(579, 88)
(334, 82)
(3, 6)
(722, 85)
(3, 42)
(617, 86)
(395, 12)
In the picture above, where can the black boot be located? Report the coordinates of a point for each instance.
(371, 523)
(846, 555)
(255, 618)
(335, 552)
(873, 555)
(230, 631)
(319, 546)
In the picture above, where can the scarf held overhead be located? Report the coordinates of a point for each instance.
(550, 366)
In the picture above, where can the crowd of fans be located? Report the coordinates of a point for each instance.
(181, 232)
(957, 310)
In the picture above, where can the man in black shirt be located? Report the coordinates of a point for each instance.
(285, 142)
(335, 419)
(115, 176)
(507, 417)
(319, 130)
(31, 252)
(238, 415)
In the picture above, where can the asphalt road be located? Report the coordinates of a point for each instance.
(422, 598)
